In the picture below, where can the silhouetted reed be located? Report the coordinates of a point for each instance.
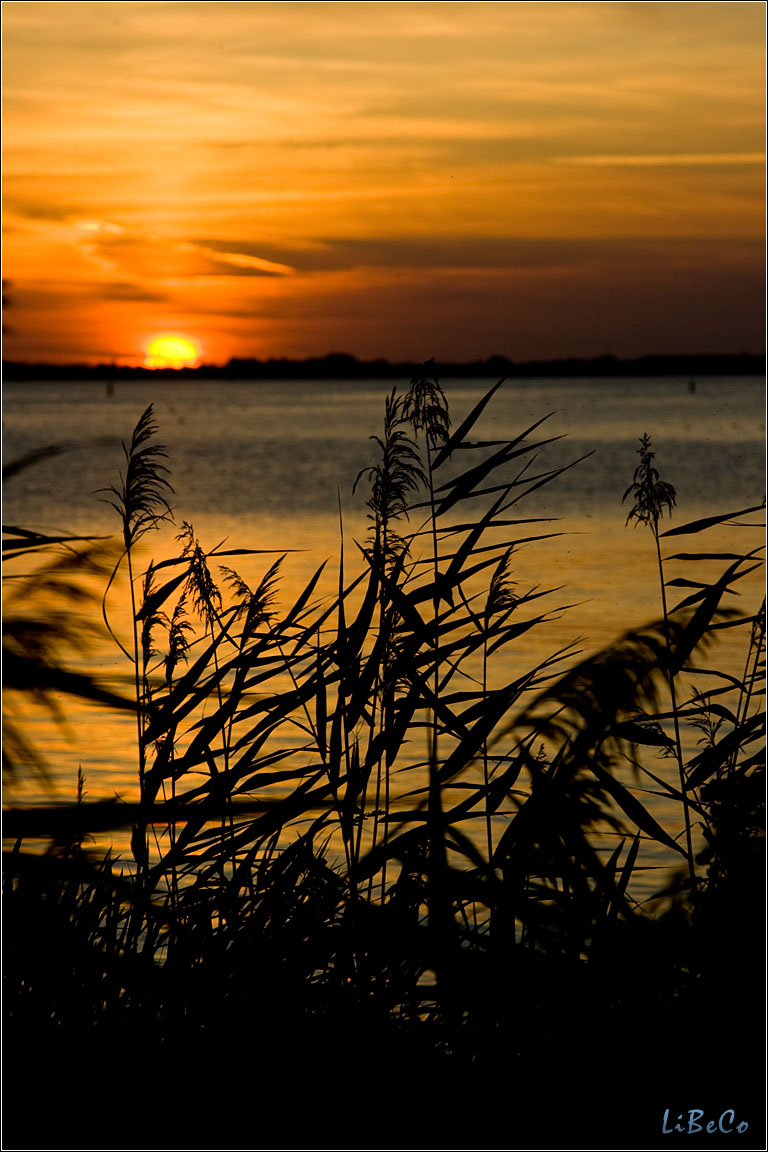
(300, 865)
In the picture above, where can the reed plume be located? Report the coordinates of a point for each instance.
(651, 495)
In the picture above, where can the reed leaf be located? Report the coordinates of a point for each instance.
(710, 521)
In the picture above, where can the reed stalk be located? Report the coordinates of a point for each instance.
(651, 496)
(140, 501)
(427, 410)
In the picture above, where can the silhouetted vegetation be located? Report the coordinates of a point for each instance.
(371, 881)
(341, 366)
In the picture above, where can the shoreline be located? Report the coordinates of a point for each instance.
(342, 366)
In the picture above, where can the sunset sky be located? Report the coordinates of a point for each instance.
(400, 179)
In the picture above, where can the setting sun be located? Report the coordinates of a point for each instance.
(171, 352)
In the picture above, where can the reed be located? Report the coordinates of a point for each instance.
(309, 872)
(651, 495)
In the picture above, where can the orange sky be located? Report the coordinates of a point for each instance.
(403, 180)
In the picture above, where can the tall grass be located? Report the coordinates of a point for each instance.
(650, 496)
(348, 828)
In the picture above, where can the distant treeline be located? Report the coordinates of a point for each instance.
(339, 365)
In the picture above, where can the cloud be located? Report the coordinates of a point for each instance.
(245, 264)
(156, 257)
(676, 160)
(122, 290)
(36, 296)
(40, 209)
(337, 254)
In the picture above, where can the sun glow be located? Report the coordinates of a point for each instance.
(168, 351)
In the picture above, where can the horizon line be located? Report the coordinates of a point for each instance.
(349, 357)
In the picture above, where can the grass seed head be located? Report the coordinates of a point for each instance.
(651, 494)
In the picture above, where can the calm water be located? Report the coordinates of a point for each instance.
(250, 452)
(266, 465)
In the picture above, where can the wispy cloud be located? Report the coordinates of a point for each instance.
(244, 263)
(510, 253)
(664, 160)
(123, 251)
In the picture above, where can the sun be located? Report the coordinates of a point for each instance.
(169, 351)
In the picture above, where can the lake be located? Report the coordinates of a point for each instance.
(272, 465)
